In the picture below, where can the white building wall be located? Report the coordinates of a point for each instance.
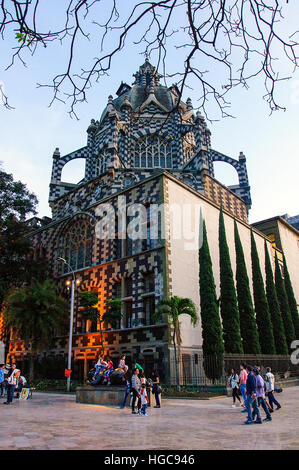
(290, 246)
(184, 262)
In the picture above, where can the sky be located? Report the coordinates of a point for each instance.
(31, 131)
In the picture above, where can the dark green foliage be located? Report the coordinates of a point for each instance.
(249, 332)
(228, 299)
(263, 318)
(274, 307)
(291, 298)
(284, 305)
(15, 199)
(35, 313)
(210, 319)
(16, 265)
(113, 313)
(88, 301)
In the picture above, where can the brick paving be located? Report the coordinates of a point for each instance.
(53, 421)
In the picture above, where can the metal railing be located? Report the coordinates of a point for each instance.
(201, 371)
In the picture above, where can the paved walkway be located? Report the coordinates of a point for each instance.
(52, 421)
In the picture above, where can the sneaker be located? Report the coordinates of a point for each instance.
(157, 406)
(258, 421)
(244, 411)
(249, 421)
(278, 407)
(233, 406)
(267, 419)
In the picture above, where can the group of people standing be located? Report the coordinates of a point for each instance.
(11, 380)
(136, 385)
(256, 391)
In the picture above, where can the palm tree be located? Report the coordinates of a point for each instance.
(113, 314)
(89, 310)
(173, 307)
(34, 313)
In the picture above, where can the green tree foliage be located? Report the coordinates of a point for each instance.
(248, 324)
(16, 265)
(284, 305)
(274, 307)
(173, 307)
(291, 297)
(213, 346)
(263, 318)
(113, 314)
(88, 301)
(228, 299)
(34, 313)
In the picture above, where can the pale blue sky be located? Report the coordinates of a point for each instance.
(30, 132)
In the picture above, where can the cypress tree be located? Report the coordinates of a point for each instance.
(210, 319)
(291, 298)
(274, 307)
(284, 305)
(228, 306)
(263, 319)
(249, 332)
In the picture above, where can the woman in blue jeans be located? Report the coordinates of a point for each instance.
(156, 385)
(242, 382)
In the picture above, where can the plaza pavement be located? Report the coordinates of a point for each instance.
(53, 421)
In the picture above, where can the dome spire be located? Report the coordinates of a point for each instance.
(147, 74)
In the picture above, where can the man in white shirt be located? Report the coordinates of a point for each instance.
(270, 383)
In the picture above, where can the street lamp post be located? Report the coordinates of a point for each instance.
(69, 359)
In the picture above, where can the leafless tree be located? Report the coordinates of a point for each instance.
(226, 42)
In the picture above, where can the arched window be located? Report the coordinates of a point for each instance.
(101, 163)
(152, 152)
(189, 146)
(76, 245)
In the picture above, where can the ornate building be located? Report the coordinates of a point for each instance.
(149, 148)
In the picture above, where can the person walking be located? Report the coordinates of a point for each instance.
(135, 381)
(242, 382)
(11, 384)
(270, 384)
(234, 384)
(2, 383)
(251, 400)
(127, 380)
(156, 389)
(260, 394)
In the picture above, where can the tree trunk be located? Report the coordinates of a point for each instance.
(31, 367)
(176, 363)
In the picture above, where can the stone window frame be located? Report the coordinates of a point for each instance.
(152, 151)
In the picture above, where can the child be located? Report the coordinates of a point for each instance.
(108, 372)
(144, 400)
(122, 364)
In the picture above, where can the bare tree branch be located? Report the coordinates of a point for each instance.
(227, 43)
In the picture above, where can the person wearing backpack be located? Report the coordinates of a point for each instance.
(12, 383)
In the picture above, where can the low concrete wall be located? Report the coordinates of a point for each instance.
(106, 395)
(101, 395)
